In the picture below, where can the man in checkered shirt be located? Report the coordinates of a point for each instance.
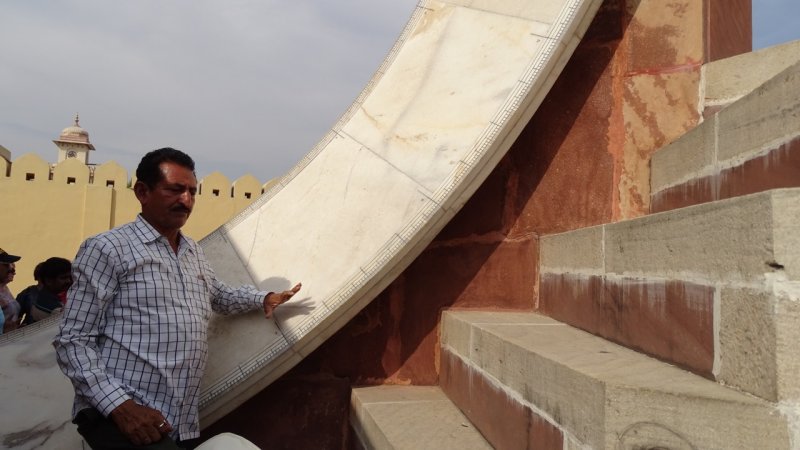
(133, 338)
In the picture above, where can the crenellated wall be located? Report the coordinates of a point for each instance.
(49, 209)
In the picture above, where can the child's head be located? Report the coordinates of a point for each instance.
(56, 274)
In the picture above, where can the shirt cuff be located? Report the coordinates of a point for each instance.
(260, 297)
(111, 400)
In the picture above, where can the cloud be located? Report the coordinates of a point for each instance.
(247, 85)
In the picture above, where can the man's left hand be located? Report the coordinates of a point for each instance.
(275, 299)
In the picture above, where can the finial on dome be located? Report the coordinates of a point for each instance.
(75, 135)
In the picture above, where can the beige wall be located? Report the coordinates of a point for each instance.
(43, 218)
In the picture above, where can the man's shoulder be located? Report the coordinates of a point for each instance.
(122, 232)
(30, 290)
(112, 241)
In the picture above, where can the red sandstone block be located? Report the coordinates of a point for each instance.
(779, 168)
(503, 421)
(671, 320)
(730, 28)
(694, 192)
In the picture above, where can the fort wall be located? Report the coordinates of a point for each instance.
(49, 209)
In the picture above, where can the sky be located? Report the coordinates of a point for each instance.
(243, 86)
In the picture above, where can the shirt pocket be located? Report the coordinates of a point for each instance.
(198, 289)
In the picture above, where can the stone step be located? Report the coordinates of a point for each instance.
(512, 372)
(714, 288)
(411, 418)
(729, 79)
(751, 145)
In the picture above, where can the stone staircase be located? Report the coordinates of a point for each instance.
(711, 288)
(677, 330)
(553, 386)
(751, 145)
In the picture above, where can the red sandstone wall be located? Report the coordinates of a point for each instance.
(631, 87)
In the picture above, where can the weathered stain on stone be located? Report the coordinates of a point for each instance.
(39, 435)
(779, 168)
(501, 418)
(671, 320)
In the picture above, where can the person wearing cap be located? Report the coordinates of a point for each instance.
(9, 305)
(133, 335)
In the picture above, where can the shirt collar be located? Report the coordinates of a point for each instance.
(147, 234)
(145, 231)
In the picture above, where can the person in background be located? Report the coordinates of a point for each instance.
(133, 336)
(56, 277)
(9, 305)
(27, 298)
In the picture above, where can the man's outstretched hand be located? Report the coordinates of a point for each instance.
(142, 425)
(274, 299)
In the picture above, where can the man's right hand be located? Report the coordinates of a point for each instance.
(142, 425)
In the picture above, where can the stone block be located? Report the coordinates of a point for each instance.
(747, 342)
(691, 156)
(731, 78)
(692, 192)
(786, 232)
(728, 27)
(787, 335)
(766, 115)
(776, 169)
(578, 251)
(502, 419)
(411, 418)
(652, 121)
(670, 320)
(730, 240)
(662, 36)
(607, 396)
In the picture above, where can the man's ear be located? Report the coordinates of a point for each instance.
(141, 190)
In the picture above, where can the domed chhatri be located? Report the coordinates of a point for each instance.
(74, 143)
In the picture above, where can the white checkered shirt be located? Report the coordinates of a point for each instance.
(135, 323)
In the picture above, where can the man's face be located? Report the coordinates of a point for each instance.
(58, 284)
(7, 272)
(167, 205)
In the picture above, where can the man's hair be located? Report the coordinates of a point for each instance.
(53, 267)
(149, 170)
(37, 272)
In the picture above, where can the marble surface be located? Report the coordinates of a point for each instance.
(429, 127)
(440, 112)
(37, 397)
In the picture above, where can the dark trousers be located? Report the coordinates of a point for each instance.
(102, 433)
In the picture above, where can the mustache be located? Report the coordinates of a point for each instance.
(180, 208)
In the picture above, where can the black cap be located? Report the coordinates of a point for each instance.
(6, 258)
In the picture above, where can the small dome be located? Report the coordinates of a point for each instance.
(75, 135)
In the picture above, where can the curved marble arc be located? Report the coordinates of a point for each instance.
(451, 97)
(453, 94)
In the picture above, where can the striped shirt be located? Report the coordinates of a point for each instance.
(135, 323)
